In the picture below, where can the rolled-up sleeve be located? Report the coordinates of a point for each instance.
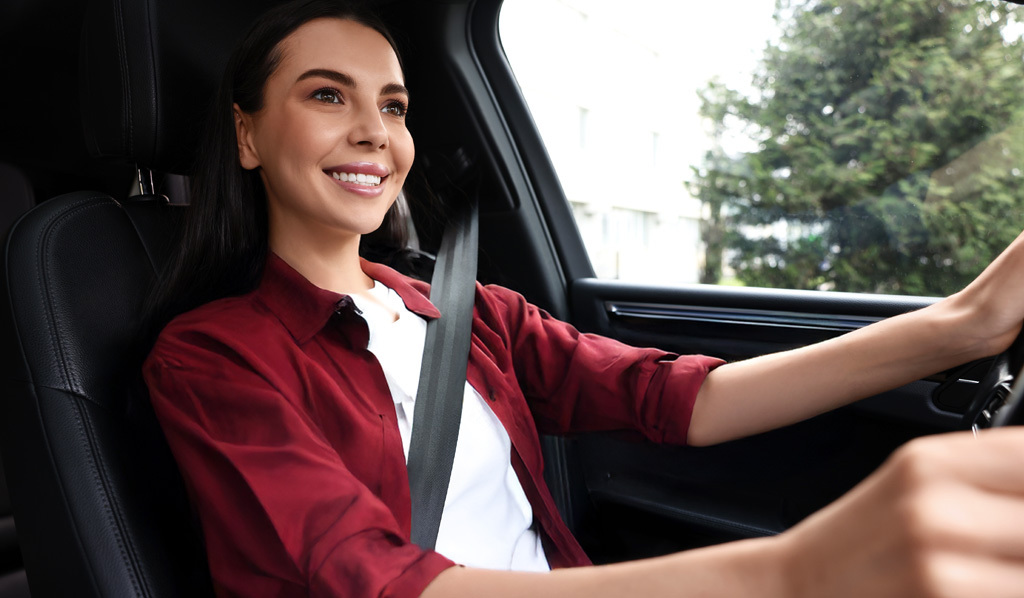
(281, 513)
(576, 382)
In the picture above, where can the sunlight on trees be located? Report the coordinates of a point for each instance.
(889, 141)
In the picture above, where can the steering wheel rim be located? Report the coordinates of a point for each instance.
(994, 402)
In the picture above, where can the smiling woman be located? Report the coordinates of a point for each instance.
(320, 128)
(333, 98)
(284, 380)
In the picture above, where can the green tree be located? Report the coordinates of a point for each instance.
(890, 145)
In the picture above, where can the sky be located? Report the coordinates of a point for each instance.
(550, 44)
(708, 37)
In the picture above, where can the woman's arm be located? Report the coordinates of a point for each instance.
(747, 397)
(748, 568)
(943, 517)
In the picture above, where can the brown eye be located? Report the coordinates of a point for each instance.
(327, 95)
(395, 108)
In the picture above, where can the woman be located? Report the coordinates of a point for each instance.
(286, 382)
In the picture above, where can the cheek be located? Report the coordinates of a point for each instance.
(320, 136)
(296, 137)
(404, 151)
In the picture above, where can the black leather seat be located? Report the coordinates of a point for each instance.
(97, 499)
(100, 507)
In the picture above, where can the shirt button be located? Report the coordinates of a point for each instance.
(345, 304)
(491, 395)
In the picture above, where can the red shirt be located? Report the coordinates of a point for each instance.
(284, 428)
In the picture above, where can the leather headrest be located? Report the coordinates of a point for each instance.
(149, 71)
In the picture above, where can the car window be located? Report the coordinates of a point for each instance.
(861, 145)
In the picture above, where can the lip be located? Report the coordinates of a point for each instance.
(361, 168)
(370, 168)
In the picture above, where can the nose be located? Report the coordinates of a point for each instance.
(369, 130)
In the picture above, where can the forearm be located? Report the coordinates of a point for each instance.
(748, 568)
(748, 397)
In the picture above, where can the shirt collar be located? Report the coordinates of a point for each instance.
(305, 308)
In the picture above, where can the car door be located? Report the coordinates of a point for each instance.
(885, 254)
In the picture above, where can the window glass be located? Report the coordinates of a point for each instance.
(856, 145)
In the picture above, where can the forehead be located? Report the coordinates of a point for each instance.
(341, 45)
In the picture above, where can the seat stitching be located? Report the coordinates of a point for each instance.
(44, 282)
(129, 552)
(126, 92)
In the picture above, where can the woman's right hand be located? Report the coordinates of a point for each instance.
(944, 516)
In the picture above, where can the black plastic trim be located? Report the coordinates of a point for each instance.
(702, 516)
(511, 216)
(547, 191)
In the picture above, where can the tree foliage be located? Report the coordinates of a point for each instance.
(890, 146)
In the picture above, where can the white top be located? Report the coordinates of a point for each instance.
(487, 521)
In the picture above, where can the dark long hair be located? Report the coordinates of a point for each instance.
(224, 242)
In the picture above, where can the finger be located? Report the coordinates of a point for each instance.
(955, 517)
(994, 460)
(955, 575)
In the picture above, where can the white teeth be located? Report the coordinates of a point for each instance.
(361, 179)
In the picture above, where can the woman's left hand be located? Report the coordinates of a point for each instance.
(993, 304)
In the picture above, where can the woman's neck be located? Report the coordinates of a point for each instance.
(334, 268)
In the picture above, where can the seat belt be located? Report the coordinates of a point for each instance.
(438, 409)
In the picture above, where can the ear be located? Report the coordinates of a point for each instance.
(248, 157)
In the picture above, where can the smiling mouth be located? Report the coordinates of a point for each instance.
(367, 180)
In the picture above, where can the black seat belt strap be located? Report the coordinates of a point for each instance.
(438, 410)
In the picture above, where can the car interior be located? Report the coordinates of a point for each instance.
(98, 128)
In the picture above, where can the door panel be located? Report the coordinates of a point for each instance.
(640, 499)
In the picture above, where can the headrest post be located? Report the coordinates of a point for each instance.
(146, 186)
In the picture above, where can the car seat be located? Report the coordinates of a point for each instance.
(100, 506)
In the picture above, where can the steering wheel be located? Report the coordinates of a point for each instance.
(998, 398)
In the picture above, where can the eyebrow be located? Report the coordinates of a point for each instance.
(347, 81)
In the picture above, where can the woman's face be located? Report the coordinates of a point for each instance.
(330, 140)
